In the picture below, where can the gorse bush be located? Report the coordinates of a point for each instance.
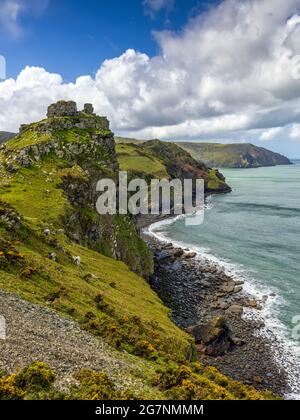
(36, 382)
(36, 377)
(196, 382)
(8, 389)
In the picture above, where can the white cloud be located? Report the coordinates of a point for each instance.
(154, 6)
(295, 132)
(12, 10)
(271, 133)
(228, 70)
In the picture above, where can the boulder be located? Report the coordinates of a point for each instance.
(178, 252)
(237, 341)
(229, 287)
(239, 282)
(190, 255)
(163, 256)
(238, 289)
(252, 303)
(235, 310)
(223, 304)
(214, 336)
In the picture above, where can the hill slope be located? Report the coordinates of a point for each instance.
(157, 159)
(234, 155)
(58, 253)
(4, 136)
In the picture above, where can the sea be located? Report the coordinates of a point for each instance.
(254, 234)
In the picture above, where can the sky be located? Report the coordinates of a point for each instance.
(212, 70)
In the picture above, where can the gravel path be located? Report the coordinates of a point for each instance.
(34, 333)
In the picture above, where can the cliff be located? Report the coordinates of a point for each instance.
(73, 284)
(242, 155)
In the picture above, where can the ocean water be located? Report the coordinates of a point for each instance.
(254, 233)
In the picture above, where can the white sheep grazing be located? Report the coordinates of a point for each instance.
(77, 260)
(47, 232)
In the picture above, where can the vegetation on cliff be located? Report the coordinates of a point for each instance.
(157, 159)
(173, 381)
(242, 155)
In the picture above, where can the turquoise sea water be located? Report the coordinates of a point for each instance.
(255, 231)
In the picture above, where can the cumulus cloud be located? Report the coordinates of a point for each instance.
(271, 133)
(229, 70)
(12, 10)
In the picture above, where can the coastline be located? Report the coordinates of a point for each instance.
(198, 290)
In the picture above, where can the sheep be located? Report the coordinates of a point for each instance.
(77, 260)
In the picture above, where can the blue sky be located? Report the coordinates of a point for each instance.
(73, 38)
(205, 70)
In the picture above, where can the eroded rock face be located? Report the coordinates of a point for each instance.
(92, 151)
(62, 109)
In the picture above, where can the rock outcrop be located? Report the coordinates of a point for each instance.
(62, 109)
(63, 115)
(213, 338)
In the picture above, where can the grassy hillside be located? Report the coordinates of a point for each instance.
(127, 140)
(233, 155)
(157, 159)
(57, 252)
(133, 158)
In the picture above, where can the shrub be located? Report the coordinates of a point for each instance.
(36, 377)
(93, 386)
(8, 390)
(172, 376)
(145, 349)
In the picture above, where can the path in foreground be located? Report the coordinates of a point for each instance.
(34, 333)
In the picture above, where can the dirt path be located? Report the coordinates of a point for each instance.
(34, 333)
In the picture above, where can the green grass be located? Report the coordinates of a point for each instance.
(127, 294)
(242, 155)
(27, 139)
(35, 193)
(133, 158)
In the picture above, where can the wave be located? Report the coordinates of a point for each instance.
(285, 350)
